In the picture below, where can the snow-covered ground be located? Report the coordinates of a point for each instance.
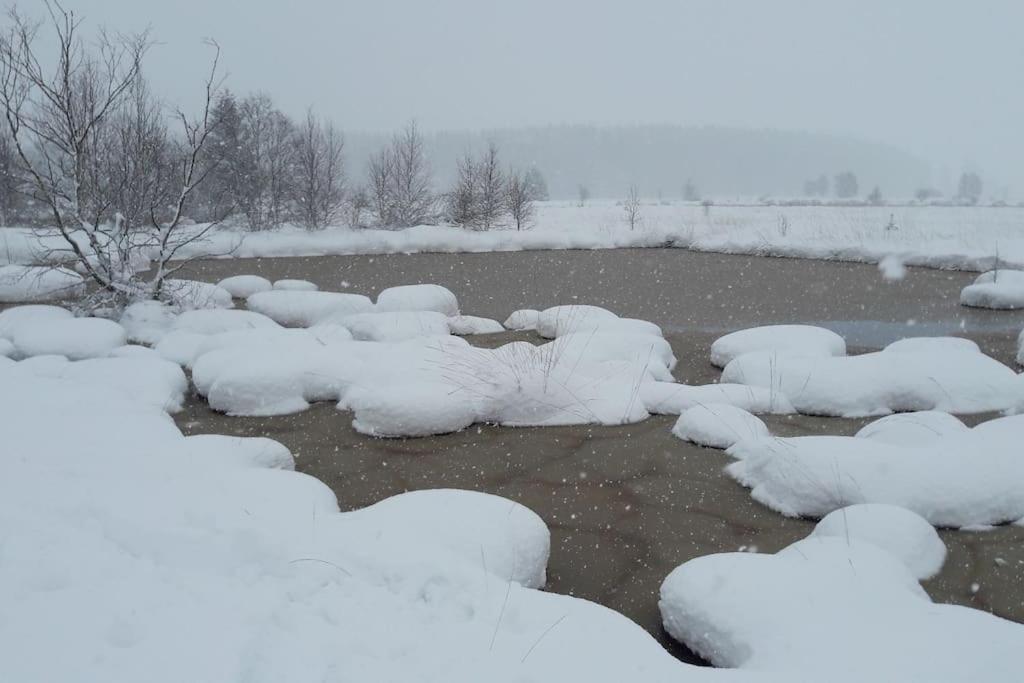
(969, 238)
(122, 535)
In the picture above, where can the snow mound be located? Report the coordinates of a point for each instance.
(1020, 348)
(601, 325)
(213, 321)
(898, 531)
(912, 429)
(392, 327)
(207, 450)
(668, 398)
(464, 325)
(418, 298)
(559, 320)
(244, 286)
(410, 410)
(191, 294)
(963, 478)
(653, 353)
(305, 309)
(927, 344)
(523, 319)
(879, 383)
(510, 539)
(13, 319)
(1001, 290)
(38, 283)
(6, 348)
(74, 338)
(146, 322)
(805, 340)
(811, 611)
(287, 285)
(718, 425)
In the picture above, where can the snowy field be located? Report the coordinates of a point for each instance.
(123, 534)
(968, 238)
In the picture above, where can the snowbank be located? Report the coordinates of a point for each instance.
(718, 425)
(1002, 289)
(961, 478)
(305, 309)
(832, 608)
(38, 283)
(805, 340)
(952, 380)
(244, 286)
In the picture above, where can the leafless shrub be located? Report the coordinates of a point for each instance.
(631, 207)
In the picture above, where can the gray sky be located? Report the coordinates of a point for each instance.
(942, 79)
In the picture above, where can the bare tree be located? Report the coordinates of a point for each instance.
(583, 194)
(412, 200)
(380, 170)
(520, 194)
(73, 129)
(320, 179)
(632, 206)
(492, 190)
(263, 177)
(10, 185)
(358, 203)
(463, 201)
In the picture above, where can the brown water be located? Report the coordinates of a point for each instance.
(627, 504)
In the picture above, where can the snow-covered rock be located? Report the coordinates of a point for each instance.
(523, 319)
(291, 285)
(146, 322)
(718, 425)
(244, 286)
(418, 298)
(208, 450)
(191, 294)
(912, 429)
(928, 344)
(813, 610)
(13, 319)
(305, 309)
(410, 410)
(6, 348)
(464, 325)
(805, 340)
(74, 338)
(560, 320)
(962, 478)
(653, 353)
(898, 531)
(393, 326)
(956, 381)
(38, 283)
(669, 398)
(1002, 289)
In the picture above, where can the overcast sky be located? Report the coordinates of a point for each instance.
(944, 79)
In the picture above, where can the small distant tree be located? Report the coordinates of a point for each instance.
(846, 185)
(631, 206)
(583, 194)
(923, 194)
(817, 187)
(538, 185)
(379, 171)
(319, 184)
(492, 189)
(876, 196)
(969, 188)
(463, 201)
(519, 197)
(690, 192)
(411, 197)
(358, 204)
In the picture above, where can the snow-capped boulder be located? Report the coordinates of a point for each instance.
(912, 429)
(393, 326)
(560, 320)
(464, 325)
(74, 338)
(191, 294)
(292, 285)
(1002, 289)
(669, 398)
(523, 319)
